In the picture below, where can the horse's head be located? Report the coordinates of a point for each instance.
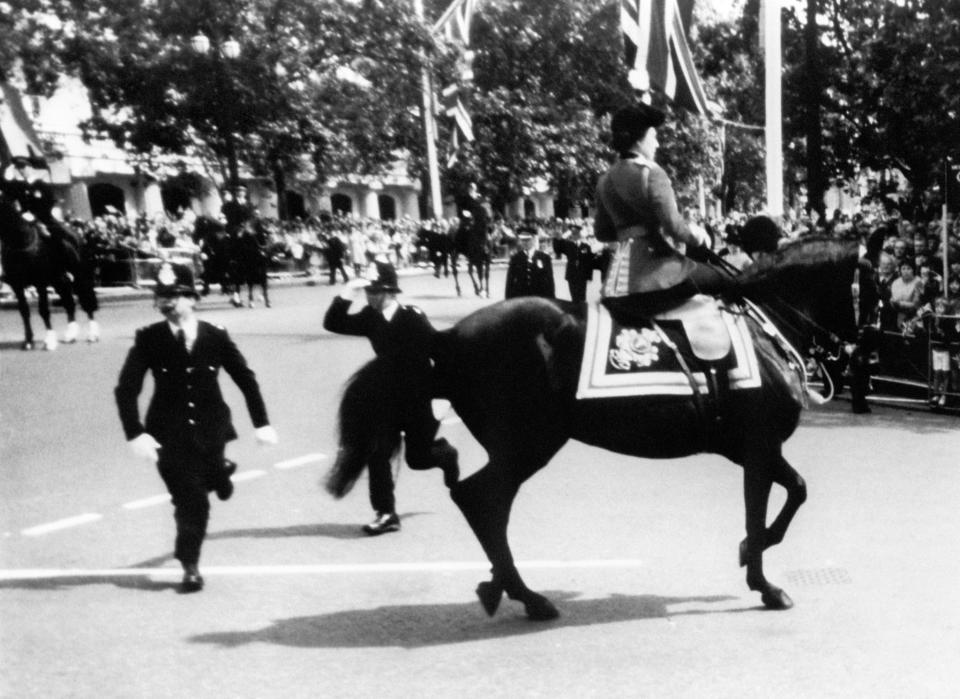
(812, 285)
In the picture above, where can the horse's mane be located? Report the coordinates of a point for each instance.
(801, 260)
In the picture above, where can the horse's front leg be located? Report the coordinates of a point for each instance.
(756, 490)
(64, 289)
(796, 488)
(485, 498)
(50, 341)
(23, 306)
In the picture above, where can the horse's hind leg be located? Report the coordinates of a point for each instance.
(786, 476)
(64, 289)
(266, 294)
(757, 480)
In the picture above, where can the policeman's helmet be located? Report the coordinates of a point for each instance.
(174, 279)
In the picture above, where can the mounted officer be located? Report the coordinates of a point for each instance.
(637, 210)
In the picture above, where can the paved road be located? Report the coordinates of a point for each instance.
(640, 556)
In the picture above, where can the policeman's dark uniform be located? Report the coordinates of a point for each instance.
(404, 342)
(580, 265)
(187, 414)
(530, 273)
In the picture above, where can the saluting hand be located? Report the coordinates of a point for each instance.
(144, 446)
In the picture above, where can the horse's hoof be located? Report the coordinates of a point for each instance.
(539, 608)
(93, 331)
(490, 596)
(27, 345)
(73, 331)
(50, 341)
(775, 598)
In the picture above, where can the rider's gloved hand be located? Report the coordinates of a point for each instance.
(144, 446)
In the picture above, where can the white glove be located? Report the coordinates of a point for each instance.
(700, 236)
(144, 446)
(266, 435)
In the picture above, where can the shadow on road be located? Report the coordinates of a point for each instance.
(416, 626)
(142, 583)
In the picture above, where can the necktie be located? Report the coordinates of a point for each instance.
(182, 341)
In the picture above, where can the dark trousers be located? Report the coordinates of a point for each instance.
(190, 474)
(418, 433)
(578, 290)
(334, 265)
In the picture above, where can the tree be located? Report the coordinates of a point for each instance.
(303, 94)
(547, 76)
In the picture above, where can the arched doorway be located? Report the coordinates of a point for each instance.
(388, 207)
(294, 205)
(529, 209)
(104, 194)
(341, 204)
(175, 197)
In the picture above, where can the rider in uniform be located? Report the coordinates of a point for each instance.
(403, 337)
(188, 423)
(637, 210)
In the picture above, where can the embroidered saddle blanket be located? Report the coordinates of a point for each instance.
(640, 361)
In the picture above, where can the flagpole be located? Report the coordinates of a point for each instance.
(430, 130)
(773, 106)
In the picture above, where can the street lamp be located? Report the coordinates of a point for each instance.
(229, 49)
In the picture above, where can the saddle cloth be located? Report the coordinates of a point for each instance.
(623, 361)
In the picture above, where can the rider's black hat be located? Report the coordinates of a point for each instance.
(630, 123)
(175, 280)
(385, 280)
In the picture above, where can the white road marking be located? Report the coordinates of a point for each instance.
(306, 569)
(146, 502)
(61, 524)
(247, 475)
(300, 461)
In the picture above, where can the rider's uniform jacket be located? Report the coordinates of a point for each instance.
(636, 209)
(187, 405)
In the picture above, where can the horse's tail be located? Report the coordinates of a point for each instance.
(369, 403)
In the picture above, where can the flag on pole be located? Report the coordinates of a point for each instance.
(454, 24)
(18, 139)
(455, 21)
(657, 52)
(453, 107)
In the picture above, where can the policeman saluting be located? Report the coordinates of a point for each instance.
(188, 423)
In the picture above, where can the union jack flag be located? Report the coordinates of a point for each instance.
(657, 52)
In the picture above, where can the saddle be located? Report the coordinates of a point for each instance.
(699, 315)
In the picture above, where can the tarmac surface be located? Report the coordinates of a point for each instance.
(640, 556)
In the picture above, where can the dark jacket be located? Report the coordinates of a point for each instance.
(530, 276)
(187, 405)
(405, 342)
(580, 259)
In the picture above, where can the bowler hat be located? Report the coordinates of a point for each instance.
(175, 280)
(630, 123)
(385, 281)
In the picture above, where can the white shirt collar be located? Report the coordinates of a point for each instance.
(390, 309)
(642, 160)
(189, 328)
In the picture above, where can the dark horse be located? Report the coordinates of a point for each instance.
(510, 371)
(30, 256)
(473, 242)
(219, 257)
(251, 251)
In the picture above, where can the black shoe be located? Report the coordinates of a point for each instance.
(385, 522)
(224, 488)
(192, 580)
